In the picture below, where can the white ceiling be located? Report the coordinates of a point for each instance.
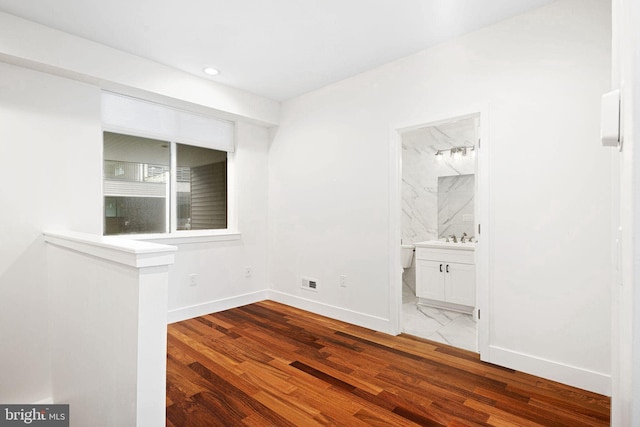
(275, 48)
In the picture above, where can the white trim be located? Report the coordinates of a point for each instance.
(440, 118)
(483, 258)
(232, 189)
(334, 312)
(186, 236)
(124, 251)
(395, 231)
(172, 190)
(45, 401)
(483, 245)
(585, 379)
(184, 313)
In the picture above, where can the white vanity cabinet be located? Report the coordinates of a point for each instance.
(446, 275)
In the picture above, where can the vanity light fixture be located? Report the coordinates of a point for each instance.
(456, 152)
(210, 71)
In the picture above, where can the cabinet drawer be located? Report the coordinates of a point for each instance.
(446, 255)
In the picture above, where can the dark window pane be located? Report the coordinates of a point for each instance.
(201, 177)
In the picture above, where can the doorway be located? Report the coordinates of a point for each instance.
(437, 195)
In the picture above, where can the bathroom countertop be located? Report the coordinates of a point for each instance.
(439, 244)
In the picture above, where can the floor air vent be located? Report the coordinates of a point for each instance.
(309, 284)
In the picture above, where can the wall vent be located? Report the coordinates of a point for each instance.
(309, 284)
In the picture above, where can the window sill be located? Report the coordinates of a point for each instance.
(186, 237)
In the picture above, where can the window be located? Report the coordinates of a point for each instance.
(165, 170)
(154, 186)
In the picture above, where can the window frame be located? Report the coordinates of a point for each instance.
(173, 235)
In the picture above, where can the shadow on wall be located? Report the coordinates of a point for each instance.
(24, 326)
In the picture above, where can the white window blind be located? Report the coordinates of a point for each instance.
(137, 117)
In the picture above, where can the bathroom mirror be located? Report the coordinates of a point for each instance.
(455, 205)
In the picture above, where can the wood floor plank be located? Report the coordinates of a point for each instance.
(327, 404)
(349, 376)
(228, 373)
(204, 346)
(371, 418)
(528, 411)
(268, 364)
(184, 381)
(296, 414)
(500, 417)
(236, 397)
(576, 402)
(267, 377)
(569, 413)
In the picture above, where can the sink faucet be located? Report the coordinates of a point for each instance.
(453, 237)
(463, 238)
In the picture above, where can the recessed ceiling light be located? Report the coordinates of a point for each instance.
(210, 71)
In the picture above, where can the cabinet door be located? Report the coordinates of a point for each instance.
(430, 279)
(460, 287)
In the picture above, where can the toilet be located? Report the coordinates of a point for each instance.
(407, 255)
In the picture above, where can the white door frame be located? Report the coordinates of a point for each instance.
(483, 248)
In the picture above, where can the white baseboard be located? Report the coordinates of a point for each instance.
(46, 401)
(334, 312)
(566, 374)
(349, 316)
(180, 314)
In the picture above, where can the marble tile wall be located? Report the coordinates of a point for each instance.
(420, 173)
(455, 205)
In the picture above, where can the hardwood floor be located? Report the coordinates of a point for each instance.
(267, 364)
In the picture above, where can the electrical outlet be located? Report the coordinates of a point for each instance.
(193, 280)
(248, 271)
(343, 281)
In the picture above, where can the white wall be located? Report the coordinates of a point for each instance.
(50, 178)
(541, 75)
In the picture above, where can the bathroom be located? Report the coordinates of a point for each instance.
(438, 231)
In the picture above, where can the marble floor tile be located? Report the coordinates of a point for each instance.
(442, 316)
(407, 295)
(460, 332)
(443, 326)
(414, 322)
